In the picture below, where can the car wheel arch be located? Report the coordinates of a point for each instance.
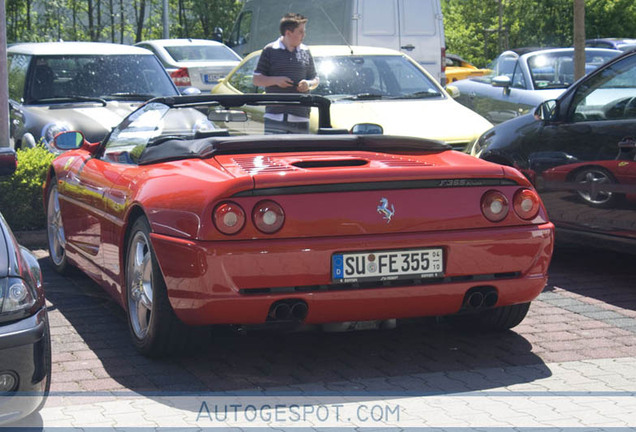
(134, 213)
(572, 175)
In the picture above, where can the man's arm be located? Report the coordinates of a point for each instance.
(261, 80)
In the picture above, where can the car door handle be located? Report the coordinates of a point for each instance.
(627, 143)
(409, 47)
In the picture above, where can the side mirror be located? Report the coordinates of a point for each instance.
(546, 111)
(367, 129)
(8, 161)
(501, 81)
(70, 140)
(453, 91)
(217, 35)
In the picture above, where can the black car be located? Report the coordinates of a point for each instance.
(25, 341)
(580, 152)
(88, 86)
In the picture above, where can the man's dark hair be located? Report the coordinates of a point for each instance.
(290, 22)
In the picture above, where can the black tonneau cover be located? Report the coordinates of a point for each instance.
(175, 149)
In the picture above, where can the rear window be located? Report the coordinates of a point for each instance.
(201, 53)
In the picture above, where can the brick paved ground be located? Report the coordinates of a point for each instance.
(580, 336)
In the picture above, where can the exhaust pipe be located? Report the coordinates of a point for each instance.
(480, 297)
(475, 300)
(490, 299)
(299, 310)
(288, 310)
(280, 311)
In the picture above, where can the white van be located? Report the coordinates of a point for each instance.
(414, 27)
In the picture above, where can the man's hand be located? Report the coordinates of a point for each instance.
(306, 85)
(282, 81)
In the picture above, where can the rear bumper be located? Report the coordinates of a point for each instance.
(236, 282)
(25, 352)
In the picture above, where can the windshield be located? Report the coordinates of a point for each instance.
(556, 70)
(201, 53)
(183, 127)
(372, 77)
(196, 118)
(134, 77)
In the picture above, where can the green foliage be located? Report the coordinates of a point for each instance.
(21, 194)
(479, 30)
(116, 21)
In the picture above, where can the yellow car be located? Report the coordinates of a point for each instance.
(377, 85)
(457, 69)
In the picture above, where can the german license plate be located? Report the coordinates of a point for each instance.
(211, 78)
(387, 265)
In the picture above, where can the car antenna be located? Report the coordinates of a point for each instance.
(336, 28)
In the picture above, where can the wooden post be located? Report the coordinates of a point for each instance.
(579, 38)
(4, 82)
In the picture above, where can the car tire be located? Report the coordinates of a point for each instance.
(155, 329)
(55, 231)
(596, 175)
(493, 320)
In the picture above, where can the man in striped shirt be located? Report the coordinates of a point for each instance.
(286, 66)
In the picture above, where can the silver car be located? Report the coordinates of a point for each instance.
(523, 78)
(198, 63)
(88, 86)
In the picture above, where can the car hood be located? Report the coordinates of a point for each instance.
(92, 119)
(443, 119)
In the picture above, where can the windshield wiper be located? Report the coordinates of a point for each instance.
(71, 99)
(418, 95)
(130, 96)
(362, 96)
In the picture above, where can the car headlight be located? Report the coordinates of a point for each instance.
(52, 129)
(17, 299)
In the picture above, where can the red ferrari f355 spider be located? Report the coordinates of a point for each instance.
(188, 214)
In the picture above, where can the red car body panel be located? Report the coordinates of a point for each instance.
(214, 278)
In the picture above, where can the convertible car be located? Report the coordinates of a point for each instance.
(186, 224)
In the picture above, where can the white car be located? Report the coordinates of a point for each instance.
(196, 63)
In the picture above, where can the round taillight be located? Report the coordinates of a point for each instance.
(229, 217)
(526, 203)
(268, 216)
(494, 206)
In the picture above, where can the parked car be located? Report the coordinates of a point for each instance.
(623, 44)
(457, 69)
(580, 152)
(521, 79)
(59, 86)
(25, 341)
(186, 225)
(198, 63)
(381, 86)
